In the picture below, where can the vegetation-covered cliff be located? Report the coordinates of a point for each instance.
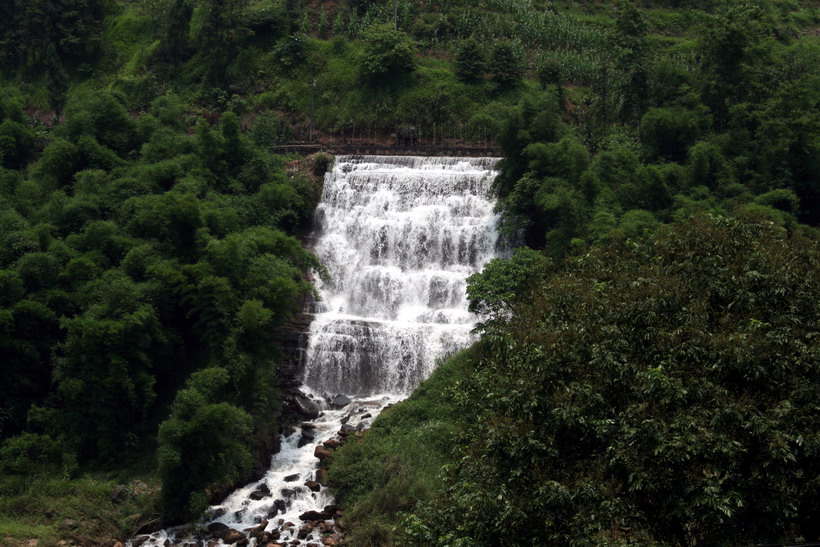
(149, 245)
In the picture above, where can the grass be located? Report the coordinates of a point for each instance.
(397, 462)
(35, 507)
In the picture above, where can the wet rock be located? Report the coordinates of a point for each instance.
(368, 415)
(314, 515)
(257, 531)
(308, 425)
(306, 407)
(332, 444)
(306, 438)
(232, 536)
(304, 531)
(166, 543)
(69, 524)
(313, 486)
(220, 512)
(321, 475)
(288, 492)
(326, 527)
(139, 540)
(291, 478)
(329, 509)
(322, 453)
(345, 419)
(239, 515)
(339, 400)
(331, 541)
(217, 529)
(280, 504)
(272, 512)
(346, 429)
(261, 492)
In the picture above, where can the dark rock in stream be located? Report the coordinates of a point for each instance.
(280, 504)
(232, 536)
(261, 492)
(292, 478)
(217, 529)
(288, 492)
(339, 400)
(306, 407)
(322, 453)
(258, 530)
(315, 515)
(306, 438)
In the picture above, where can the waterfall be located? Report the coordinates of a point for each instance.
(398, 236)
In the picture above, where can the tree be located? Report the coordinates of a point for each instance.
(632, 58)
(507, 62)
(387, 54)
(174, 42)
(656, 391)
(220, 36)
(470, 61)
(202, 444)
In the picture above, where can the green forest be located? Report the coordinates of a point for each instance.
(648, 370)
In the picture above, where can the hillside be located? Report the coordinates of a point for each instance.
(150, 240)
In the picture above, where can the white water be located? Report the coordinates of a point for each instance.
(399, 236)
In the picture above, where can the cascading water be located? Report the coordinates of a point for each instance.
(399, 236)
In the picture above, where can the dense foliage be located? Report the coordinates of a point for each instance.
(657, 392)
(133, 255)
(147, 234)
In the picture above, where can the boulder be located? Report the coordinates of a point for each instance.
(306, 407)
(281, 505)
(308, 425)
(313, 486)
(321, 475)
(139, 540)
(339, 401)
(257, 531)
(346, 429)
(329, 509)
(232, 536)
(217, 529)
(304, 531)
(262, 491)
(291, 478)
(332, 444)
(307, 437)
(322, 453)
(315, 515)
